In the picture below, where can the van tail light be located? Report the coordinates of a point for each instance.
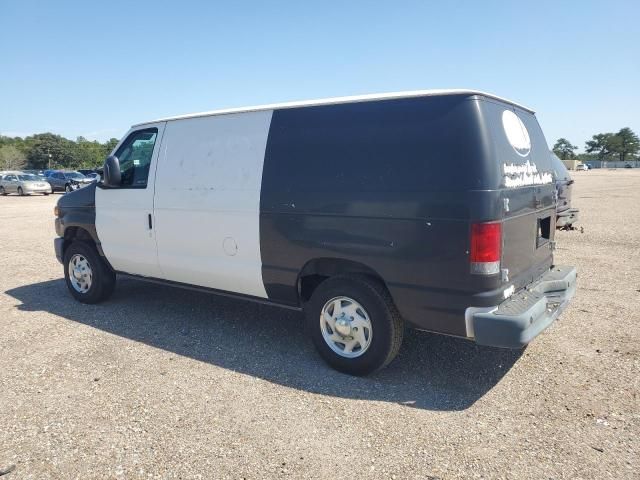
(486, 248)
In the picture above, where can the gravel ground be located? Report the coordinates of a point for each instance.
(165, 383)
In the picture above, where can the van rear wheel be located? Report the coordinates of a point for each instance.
(354, 324)
(88, 277)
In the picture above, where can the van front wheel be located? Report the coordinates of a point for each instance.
(354, 324)
(88, 277)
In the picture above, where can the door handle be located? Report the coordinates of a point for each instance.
(150, 222)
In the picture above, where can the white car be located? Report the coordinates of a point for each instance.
(582, 166)
(23, 184)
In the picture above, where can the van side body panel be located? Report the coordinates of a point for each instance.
(395, 186)
(207, 201)
(388, 184)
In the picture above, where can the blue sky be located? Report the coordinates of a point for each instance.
(95, 68)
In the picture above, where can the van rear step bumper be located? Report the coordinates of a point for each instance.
(523, 316)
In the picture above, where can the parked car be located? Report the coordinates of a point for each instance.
(627, 165)
(430, 208)
(37, 173)
(23, 184)
(565, 215)
(582, 167)
(90, 173)
(87, 172)
(67, 181)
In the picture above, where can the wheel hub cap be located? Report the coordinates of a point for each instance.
(80, 273)
(343, 326)
(346, 327)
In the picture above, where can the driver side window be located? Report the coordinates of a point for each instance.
(135, 157)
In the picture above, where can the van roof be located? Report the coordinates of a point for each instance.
(337, 100)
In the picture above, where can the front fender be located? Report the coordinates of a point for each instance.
(77, 216)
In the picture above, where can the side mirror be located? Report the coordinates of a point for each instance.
(111, 176)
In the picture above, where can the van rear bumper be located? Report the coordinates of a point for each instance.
(523, 316)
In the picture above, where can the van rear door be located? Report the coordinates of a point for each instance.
(528, 193)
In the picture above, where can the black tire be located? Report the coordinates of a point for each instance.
(68, 188)
(103, 278)
(45, 193)
(20, 191)
(2, 191)
(387, 325)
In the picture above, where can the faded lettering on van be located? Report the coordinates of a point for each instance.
(525, 174)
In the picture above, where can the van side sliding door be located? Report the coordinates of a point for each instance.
(207, 201)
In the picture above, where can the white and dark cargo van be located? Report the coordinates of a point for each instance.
(432, 209)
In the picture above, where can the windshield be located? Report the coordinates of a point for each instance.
(28, 178)
(75, 175)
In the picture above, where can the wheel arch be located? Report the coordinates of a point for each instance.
(74, 233)
(81, 232)
(316, 270)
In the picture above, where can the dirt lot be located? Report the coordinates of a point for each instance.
(165, 383)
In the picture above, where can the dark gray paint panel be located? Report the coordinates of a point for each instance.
(393, 185)
(521, 255)
(78, 209)
(387, 184)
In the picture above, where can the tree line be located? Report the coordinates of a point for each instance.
(48, 151)
(621, 146)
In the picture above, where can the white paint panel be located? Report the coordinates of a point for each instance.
(207, 204)
(350, 99)
(523, 175)
(122, 221)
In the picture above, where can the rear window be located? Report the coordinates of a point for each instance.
(75, 175)
(28, 178)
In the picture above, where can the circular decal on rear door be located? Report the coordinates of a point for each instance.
(516, 132)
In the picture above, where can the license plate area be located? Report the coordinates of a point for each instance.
(543, 231)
